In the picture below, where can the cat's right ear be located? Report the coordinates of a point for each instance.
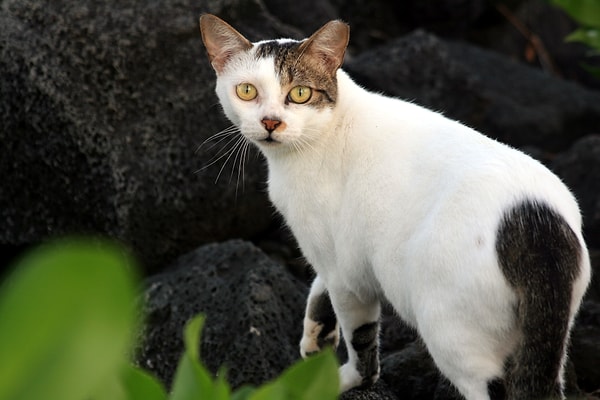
(221, 41)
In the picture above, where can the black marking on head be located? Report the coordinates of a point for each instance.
(539, 254)
(365, 342)
(293, 69)
(321, 311)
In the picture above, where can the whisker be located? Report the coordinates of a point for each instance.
(236, 160)
(219, 155)
(241, 166)
(219, 135)
(230, 152)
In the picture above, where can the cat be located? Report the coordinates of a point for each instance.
(475, 244)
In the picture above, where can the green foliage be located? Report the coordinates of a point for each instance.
(66, 312)
(316, 378)
(587, 14)
(67, 319)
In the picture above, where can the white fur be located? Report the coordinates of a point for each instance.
(388, 199)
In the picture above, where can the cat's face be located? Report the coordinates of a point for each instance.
(279, 93)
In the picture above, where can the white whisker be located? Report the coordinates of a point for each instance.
(219, 135)
(230, 154)
(219, 154)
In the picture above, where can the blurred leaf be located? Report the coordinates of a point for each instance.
(592, 69)
(243, 393)
(192, 380)
(140, 385)
(585, 12)
(272, 391)
(588, 36)
(314, 378)
(222, 390)
(66, 321)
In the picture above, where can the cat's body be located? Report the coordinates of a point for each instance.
(475, 244)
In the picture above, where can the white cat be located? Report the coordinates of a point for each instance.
(476, 245)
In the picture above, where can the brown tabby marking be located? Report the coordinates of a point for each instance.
(294, 67)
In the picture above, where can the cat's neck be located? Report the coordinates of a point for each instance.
(317, 173)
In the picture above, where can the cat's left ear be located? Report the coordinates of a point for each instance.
(328, 45)
(221, 40)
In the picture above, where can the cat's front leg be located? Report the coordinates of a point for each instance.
(359, 320)
(320, 323)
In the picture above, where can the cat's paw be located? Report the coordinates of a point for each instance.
(351, 378)
(314, 339)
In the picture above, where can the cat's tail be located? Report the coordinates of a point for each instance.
(544, 261)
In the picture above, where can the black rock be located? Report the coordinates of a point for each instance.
(503, 99)
(254, 311)
(584, 352)
(103, 105)
(379, 391)
(579, 168)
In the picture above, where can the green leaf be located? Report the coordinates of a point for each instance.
(140, 385)
(192, 380)
(314, 378)
(595, 71)
(243, 393)
(585, 12)
(222, 390)
(588, 36)
(191, 336)
(67, 316)
(272, 391)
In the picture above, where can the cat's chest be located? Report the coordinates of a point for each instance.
(311, 209)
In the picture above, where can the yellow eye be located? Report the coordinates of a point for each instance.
(300, 94)
(246, 91)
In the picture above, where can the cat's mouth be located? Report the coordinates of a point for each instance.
(269, 140)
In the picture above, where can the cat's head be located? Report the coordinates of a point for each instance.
(279, 93)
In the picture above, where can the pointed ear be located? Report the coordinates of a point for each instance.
(328, 45)
(221, 41)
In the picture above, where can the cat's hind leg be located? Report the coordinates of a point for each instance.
(320, 323)
(460, 357)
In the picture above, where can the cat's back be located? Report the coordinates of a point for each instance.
(419, 156)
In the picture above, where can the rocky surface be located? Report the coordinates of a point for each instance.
(105, 112)
(579, 167)
(253, 308)
(516, 105)
(103, 109)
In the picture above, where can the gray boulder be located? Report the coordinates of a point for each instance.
(579, 167)
(501, 98)
(254, 311)
(585, 347)
(104, 106)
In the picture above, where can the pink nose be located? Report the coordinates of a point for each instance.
(270, 124)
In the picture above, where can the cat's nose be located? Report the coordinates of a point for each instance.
(270, 124)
